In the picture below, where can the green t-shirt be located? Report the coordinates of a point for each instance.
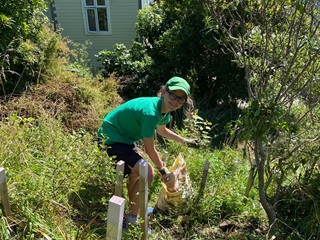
(133, 121)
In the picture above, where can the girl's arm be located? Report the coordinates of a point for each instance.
(167, 133)
(153, 153)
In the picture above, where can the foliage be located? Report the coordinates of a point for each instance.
(172, 39)
(280, 57)
(262, 118)
(222, 201)
(197, 126)
(47, 170)
(299, 209)
(79, 103)
(131, 66)
(122, 62)
(174, 36)
(28, 48)
(79, 59)
(31, 61)
(20, 19)
(60, 183)
(177, 40)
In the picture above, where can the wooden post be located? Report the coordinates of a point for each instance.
(251, 177)
(164, 156)
(119, 178)
(143, 197)
(4, 193)
(115, 218)
(204, 178)
(249, 182)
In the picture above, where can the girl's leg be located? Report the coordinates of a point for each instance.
(133, 186)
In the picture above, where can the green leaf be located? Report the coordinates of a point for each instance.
(285, 126)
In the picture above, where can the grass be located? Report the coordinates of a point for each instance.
(60, 182)
(47, 170)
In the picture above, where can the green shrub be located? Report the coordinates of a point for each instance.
(130, 66)
(29, 50)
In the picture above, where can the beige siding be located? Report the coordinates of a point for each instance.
(123, 17)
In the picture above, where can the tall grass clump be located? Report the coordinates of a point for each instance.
(58, 182)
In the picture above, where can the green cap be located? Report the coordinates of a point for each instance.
(178, 83)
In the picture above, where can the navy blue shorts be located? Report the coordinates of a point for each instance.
(125, 152)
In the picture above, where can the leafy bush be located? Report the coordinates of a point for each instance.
(176, 38)
(20, 20)
(29, 49)
(130, 66)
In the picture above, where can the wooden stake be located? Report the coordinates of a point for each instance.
(204, 178)
(251, 177)
(164, 156)
(119, 178)
(143, 197)
(115, 218)
(4, 193)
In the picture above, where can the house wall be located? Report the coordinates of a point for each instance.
(70, 18)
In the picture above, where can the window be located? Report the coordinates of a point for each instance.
(97, 16)
(146, 2)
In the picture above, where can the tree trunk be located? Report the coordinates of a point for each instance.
(260, 158)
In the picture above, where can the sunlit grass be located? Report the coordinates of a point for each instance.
(60, 183)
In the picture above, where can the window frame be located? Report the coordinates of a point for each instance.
(142, 3)
(95, 7)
